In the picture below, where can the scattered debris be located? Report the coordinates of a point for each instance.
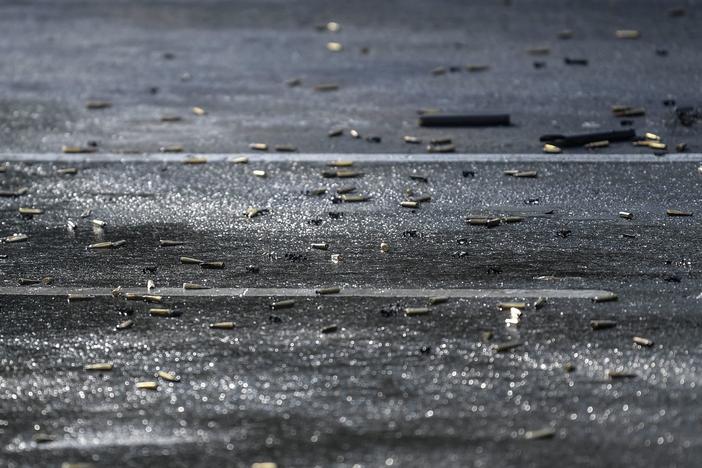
(326, 87)
(191, 261)
(286, 304)
(253, 212)
(168, 376)
(163, 312)
(449, 148)
(143, 297)
(67, 171)
(149, 385)
(80, 297)
(538, 51)
(628, 111)
(195, 160)
(645, 342)
(627, 34)
(504, 347)
(545, 433)
(523, 174)
(107, 245)
(350, 198)
(14, 193)
(99, 367)
(672, 212)
(42, 438)
(172, 149)
(656, 145)
(575, 61)
(47, 280)
(416, 311)
(514, 316)
(614, 374)
(602, 324)
(222, 325)
(30, 211)
(15, 238)
(69, 149)
(77, 465)
(258, 146)
(124, 325)
(171, 118)
(170, 243)
(264, 465)
(609, 297)
(477, 68)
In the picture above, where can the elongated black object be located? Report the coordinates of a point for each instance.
(585, 138)
(475, 120)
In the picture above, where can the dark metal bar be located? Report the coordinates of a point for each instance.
(438, 120)
(582, 139)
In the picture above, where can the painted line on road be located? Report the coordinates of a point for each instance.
(309, 292)
(367, 158)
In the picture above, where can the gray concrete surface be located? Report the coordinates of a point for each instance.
(383, 389)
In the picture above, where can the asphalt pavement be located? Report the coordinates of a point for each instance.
(174, 297)
(234, 59)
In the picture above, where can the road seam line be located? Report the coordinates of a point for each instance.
(309, 292)
(369, 158)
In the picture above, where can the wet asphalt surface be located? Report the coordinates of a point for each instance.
(383, 389)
